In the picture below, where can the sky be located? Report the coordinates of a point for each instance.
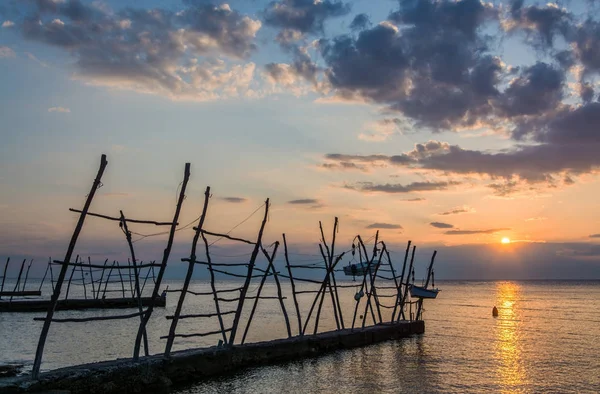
(453, 124)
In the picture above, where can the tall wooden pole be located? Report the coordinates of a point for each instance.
(287, 262)
(420, 305)
(63, 271)
(399, 298)
(257, 246)
(163, 265)
(412, 259)
(188, 276)
(138, 293)
(4, 275)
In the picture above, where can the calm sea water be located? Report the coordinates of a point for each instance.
(545, 339)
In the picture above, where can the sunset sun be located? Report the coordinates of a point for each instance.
(505, 240)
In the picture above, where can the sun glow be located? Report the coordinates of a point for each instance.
(505, 240)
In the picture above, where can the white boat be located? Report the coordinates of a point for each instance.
(421, 292)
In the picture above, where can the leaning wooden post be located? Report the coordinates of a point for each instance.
(63, 271)
(101, 278)
(399, 298)
(27, 274)
(71, 278)
(92, 278)
(121, 278)
(188, 277)
(337, 296)
(257, 245)
(138, 293)
(108, 278)
(19, 278)
(4, 275)
(51, 274)
(327, 285)
(412, 259)
(372, 290)
(287, 262)
(214, 288)
(44, 278)
(163, 265)
(260, 287)
(420, 304)
(83, 281)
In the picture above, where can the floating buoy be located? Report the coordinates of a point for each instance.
(495, 312)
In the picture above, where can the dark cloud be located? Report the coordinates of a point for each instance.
(456, 211)
(304, 201)
(472, 232)
(441, 225)
(384, 226)
(236, 200)
(544, 22)
(152, 50)
(306, 16)
(360, 22)
(415, 199)
(399, 188)
(595, 236)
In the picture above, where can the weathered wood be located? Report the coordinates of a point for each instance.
(258, 243)
(44, 277)
(260, 287)
(44, 333)
(119, 267)
(289, 268)
(70, 279)
(203, 334)
(41, 305)
(200, 315)
(27, 274)
(92, 278)
(399, 286)
(373, 291)
(412, 258)
(328, 286)
(83, 283)
(93, 318)
(205, 293)
(18, 278)
(116, 219)
(213, 288)
(20, 293)
(217, 264)
(121, 278)
(4, 274)
(138, 292)
(163, 265)
(337, 297)
(228, 237)
(429, 270)
(108, 278)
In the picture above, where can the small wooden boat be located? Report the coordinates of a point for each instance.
(357, 269)
(421, 292)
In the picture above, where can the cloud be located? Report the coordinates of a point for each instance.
(196, 53)
(471, 232)
(458, 210)
(417, 199)
(303, 201)
(399, 188)
(59, 109)
(537, 218)
(305, 16)
(236, 200)
(594, 236)
(360, 22)
(6, 52)
(384, 226)
(441, 225)
(8, 24)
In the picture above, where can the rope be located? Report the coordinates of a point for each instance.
(237, 225)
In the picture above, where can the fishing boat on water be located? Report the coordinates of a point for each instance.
(422, 292)
(358, 269)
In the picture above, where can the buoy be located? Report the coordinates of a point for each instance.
(495, 312)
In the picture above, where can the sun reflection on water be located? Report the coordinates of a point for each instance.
(509, 338)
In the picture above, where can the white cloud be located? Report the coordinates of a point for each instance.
(59, 109)
(8, 24)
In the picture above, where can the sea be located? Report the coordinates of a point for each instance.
(545, 339)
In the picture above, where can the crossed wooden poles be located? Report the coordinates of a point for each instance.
(377, 263)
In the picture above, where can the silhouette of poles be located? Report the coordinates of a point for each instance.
(289, 269)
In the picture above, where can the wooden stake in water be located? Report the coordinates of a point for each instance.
(63, 271)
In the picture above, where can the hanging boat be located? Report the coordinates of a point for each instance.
(421, 292)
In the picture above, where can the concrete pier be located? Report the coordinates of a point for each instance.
(154, 373)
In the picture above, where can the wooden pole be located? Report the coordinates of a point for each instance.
(214, 288)
(328, 286)
(287, 261)
(108, 278)
(63, 271)
(429, 269)
(188, 277)
(18, 278)
(92, 278)
(70, 278)
(4, 275)
(238, 312)
(412, 259)
(51, 275)
(260, 287)
(337, 297)
(399, 299)
(83, 282)
(27, 274)
(372, 291)
(363, 285)
(163, 265)
(121, 278)
(138, 293)
(44, 278)
(101, 278)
